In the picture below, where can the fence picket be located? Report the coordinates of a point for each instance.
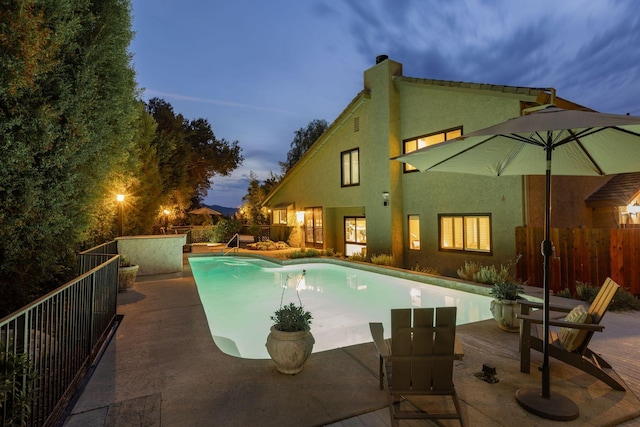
(581, 254)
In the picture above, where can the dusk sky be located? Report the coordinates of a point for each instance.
(258, 70)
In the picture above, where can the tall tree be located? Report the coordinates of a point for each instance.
(303, 140)
(256, 194)
(67, 102)
(189, 155)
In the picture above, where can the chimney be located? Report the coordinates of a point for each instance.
(381, 58)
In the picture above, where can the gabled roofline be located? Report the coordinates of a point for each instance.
(519, 90)
(355, 104)
(542, 95)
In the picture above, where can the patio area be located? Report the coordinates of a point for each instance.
(162, 368)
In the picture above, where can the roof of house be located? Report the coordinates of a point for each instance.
(543, 94)
(543, 97)
(469, 85)
(618, 191)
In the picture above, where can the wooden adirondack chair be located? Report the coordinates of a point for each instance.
(419, 360)
(571, 343)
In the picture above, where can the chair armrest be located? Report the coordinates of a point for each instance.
(562, 323)
(539, 305)
(377, 333)
(573, 325)
(532, 304)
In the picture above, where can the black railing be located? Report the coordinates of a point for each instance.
(60, 334)
(95, 256)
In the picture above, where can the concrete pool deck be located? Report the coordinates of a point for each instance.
(162, 368)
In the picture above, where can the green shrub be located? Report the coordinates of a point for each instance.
(586, 292)
(429, 270)
(625, 301)
(506, 290)
(291, 318)
(304, 253)
(564, 293)
(358, 256)
(15, 400)
(254, 230)
(622, 301)
(269, 245)
(225, 230)
(469, 270)
(278, 246)
(383, 259)
(489, 275)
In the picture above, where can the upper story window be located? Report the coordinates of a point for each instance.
(462, 232)
(350, 167)
(427, 140)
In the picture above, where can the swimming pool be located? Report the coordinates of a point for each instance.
(239, 294)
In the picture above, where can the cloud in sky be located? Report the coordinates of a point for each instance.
(258, 70)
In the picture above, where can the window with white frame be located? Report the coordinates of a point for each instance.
(465, 232)
(414, 144)
(350, 167)
(414, 232)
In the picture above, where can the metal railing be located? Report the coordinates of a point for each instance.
(60, 334)
(232, 248)
(95, 256)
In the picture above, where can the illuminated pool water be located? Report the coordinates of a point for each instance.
(239, 294)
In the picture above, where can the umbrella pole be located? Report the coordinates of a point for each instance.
(554, 406)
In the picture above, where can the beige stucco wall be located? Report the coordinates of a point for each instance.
(428, 109)
(391, 110)
(154, 254)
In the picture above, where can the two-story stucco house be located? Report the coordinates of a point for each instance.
(347, 193)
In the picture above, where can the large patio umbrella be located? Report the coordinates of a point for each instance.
(205, 211)
(579, 143)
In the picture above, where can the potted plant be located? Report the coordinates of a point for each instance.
(505, 307)
(127, 273)
(290, 341)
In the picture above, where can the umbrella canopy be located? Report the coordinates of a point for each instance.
(583, 143)
(545, 142)
(205, 211)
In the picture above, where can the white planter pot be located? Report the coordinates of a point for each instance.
(289, 350)
(506, 314)
(127, 277)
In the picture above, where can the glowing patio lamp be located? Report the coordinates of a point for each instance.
(166, 218)
(120, 199)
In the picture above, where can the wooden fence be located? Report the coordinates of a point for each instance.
(581, 254)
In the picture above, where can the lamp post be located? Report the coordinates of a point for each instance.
(166, 219)
(120, 199)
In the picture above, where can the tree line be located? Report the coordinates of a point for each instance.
(74, 133)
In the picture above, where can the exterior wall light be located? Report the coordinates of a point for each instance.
(634, 209)
(385, 198)
(300, 217)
